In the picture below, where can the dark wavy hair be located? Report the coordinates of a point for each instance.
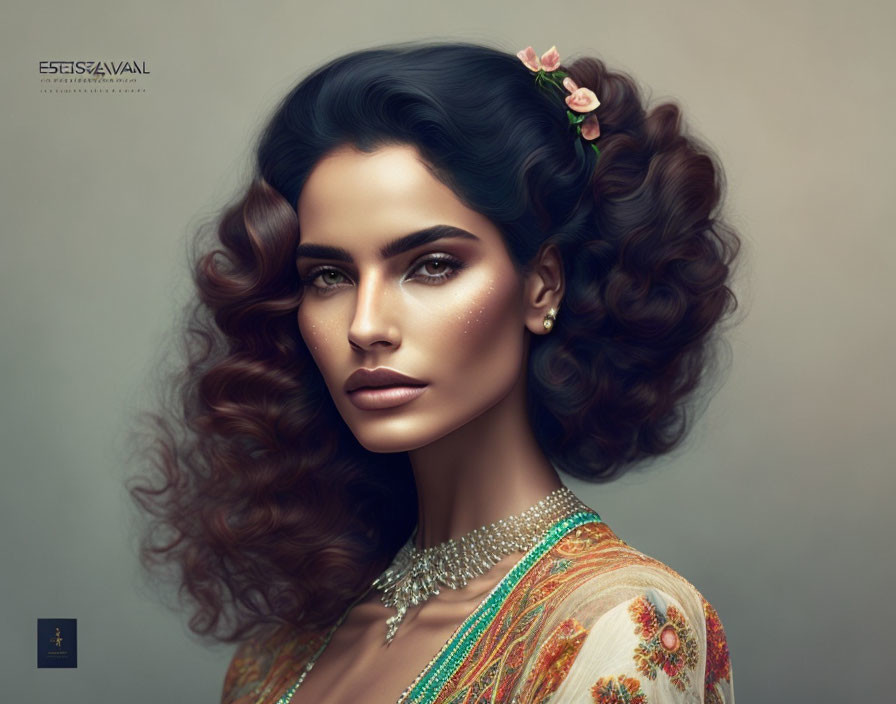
(261, 502)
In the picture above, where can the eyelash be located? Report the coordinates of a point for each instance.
(454, 267)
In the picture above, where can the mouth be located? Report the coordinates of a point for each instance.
(376, 389)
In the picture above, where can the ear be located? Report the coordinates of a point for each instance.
(544, 287)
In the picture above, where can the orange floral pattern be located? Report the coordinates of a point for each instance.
(262, 668)
(618, 690)
(554, 660)
(668, 643)
(718, 664)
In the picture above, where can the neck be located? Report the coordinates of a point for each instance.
(486, 470)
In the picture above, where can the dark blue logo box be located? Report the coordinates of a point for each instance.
(57, 642)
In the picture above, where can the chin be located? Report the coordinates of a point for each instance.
(390, 435)
(390, 440)
(385, 447)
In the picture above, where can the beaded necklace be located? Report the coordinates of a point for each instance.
(415, 575)
(561, 509)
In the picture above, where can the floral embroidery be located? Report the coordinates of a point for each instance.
(555, 658)
(618, 690)
(561, 565)
(718, 665)
(667, 642)
(266, 664)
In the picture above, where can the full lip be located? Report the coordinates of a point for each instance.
(379, 378)
(380, 389)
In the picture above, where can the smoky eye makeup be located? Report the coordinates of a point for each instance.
(430, 269)
(434, 268)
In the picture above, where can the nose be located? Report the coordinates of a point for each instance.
(375, 322)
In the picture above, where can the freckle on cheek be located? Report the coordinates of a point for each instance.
(313, 338)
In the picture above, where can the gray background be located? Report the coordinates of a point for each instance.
(779, 507)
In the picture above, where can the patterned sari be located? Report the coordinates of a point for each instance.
(583, 617)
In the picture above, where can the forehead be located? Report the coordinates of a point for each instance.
(380, 195)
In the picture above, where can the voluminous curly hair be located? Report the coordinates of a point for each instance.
(261, 501)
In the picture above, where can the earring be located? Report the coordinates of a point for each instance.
(549, 319)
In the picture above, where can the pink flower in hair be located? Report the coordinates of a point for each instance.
(590, 128)
(529, 58)
(550, 60)
(579, 102)
(579, 99)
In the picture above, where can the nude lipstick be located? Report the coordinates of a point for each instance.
(377, 389)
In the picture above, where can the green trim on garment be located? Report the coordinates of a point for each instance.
(460, 646)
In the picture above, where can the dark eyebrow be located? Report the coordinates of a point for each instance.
(399, 246)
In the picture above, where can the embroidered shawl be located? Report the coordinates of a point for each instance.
(583, 617)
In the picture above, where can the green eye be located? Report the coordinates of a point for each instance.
(331, 276)
(324, 279)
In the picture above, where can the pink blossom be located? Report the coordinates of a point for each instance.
(529, 58)
(582, 100)
(570, 85)
(550, 60)
(590, 128)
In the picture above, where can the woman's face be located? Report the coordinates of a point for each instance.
(412, 307)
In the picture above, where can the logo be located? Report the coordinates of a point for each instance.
(95, 68)
(57, 642)
(120, 76)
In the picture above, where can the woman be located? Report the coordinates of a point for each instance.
(455, 272)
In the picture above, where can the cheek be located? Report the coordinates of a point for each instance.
(319, 335)
(484, 327)
(313, 335)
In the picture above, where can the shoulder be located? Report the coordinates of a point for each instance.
(622, 625)
(261, 662)
(592, 569)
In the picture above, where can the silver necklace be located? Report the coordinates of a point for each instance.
(415, 575)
